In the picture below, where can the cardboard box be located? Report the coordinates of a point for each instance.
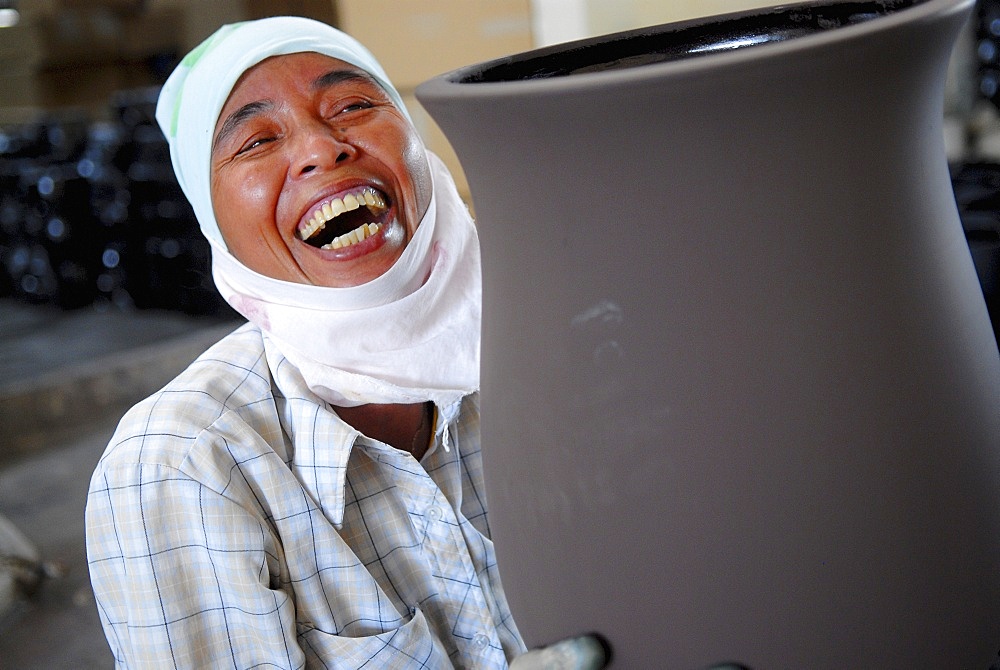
(415, 41)
(201, 19)
(20, 48)
(157, 30)
(321, 10)
(119, 6)
(87, 87)
(32, 9)
(22, 90)
(76, 36)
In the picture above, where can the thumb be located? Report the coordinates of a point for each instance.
(586, 652)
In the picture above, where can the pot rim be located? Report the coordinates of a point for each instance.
(455, 83)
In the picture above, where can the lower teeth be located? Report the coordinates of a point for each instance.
(360, 233)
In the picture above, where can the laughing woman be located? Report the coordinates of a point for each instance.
(309, 492)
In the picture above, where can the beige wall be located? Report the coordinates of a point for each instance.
(418, 40)
(604, 16)
(558, 21)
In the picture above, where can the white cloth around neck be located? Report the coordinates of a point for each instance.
(405, 337)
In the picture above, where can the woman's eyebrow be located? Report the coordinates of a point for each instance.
(334, 77)
(234, 120)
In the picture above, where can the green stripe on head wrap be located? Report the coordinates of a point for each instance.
(189, 62)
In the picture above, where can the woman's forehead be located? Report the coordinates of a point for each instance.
(277, 69)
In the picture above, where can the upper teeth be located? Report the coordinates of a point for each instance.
(334, 208)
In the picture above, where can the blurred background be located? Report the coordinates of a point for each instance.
(105, 290)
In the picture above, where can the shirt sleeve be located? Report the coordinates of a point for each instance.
(181, 575)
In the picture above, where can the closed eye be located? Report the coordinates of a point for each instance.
(356, 107)
(253, 144)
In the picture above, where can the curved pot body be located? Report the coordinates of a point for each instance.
(740, 392)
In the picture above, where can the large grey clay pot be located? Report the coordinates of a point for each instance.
(740, 393)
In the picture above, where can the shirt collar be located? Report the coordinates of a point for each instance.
(321, 442)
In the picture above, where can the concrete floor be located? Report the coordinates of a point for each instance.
(65, 379)
(44, 496)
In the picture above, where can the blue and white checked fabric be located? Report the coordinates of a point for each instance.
(236, 522)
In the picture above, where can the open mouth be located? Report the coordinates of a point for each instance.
(346, 220)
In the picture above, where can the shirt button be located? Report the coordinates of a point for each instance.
(480, 641)
(434, 513)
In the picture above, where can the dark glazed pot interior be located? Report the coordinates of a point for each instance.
(634, 49)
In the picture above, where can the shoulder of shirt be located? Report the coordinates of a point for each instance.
(225, 390)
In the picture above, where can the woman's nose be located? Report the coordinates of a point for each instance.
(317, 146)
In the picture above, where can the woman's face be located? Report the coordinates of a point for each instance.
(317, 177)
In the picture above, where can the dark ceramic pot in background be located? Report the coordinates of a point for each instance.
(740, 393)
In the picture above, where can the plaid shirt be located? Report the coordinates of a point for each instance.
(236, 521)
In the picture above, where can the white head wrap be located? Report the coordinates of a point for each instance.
(408, 336)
